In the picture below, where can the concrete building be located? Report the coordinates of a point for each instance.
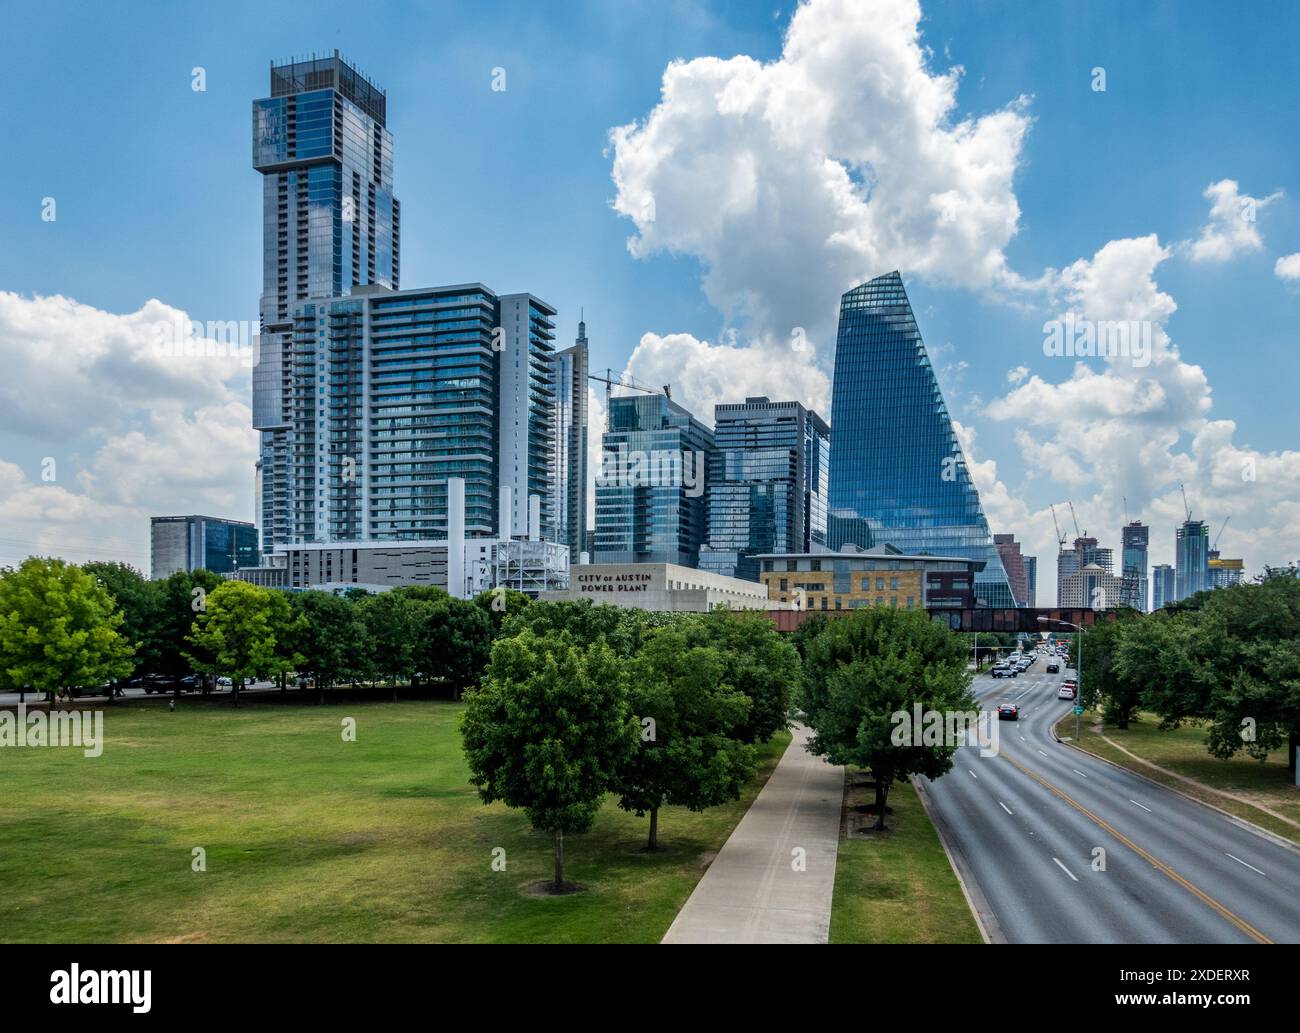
(767, 484)
(572, 416)
(884, 576)
(526, 408)
(1086, 552)
(1031, 581)
(1092, 587)
(667, 587)
(1013, 562)
(185, 543)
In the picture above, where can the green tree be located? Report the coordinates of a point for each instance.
(620, 629)
(392, 623)
(330, 638)
(500, 604)
(454, 643)
(875, 663)
(690, 716)
(757, 662)
(138, 600)
(546, 731)
(239, 634)
(59, 629)
(179, 599)
(1101, 681)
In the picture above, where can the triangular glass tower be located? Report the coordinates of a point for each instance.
(898, 475)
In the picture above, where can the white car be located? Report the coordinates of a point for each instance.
(1066, 691)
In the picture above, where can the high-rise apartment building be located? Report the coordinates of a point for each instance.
(185, 543)
(571, 466)
(1031, 581)
(330, 223)
(1192, 558)
(897, 472)
(651, 487)
(395, 392)
(1164, 586)
(1133, 564)
(1013, 562)
(767, 484)
(526, 408)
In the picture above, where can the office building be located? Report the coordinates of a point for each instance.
(185, 543)
(1164, 586)
(1133, 565)
(1090, 587)
(767, 484)
(571, 469)
(330, 223)
(1085, 553)
(897, 471)
(651, 487)
(1031, 581)
(884, 576)
(1013, 562)
(1191, 558)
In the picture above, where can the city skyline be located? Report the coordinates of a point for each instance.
(159, 450)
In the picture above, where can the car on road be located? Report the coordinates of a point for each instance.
(1004, 671)
(1008, 711)
(1053, 668)
(1066, 691)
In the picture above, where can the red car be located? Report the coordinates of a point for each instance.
(1008, 711)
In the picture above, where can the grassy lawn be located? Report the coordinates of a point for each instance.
(1182, 750)
(897, 887)
(309, 838)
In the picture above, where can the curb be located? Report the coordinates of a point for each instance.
(1240, 822)
(985, 920)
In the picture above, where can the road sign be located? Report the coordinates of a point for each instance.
(1077, 710)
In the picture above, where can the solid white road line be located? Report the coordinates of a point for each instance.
(1147, 809)
(973, 775)
(1065, 869)
(1044, 754)
(1004, 807)
(1250, 866)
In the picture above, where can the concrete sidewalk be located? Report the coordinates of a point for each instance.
(752, 892)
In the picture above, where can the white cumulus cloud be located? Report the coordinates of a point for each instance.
(1233, 226)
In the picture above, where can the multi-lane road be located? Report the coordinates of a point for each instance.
(1059, 847)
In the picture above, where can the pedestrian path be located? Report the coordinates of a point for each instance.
(773, 879)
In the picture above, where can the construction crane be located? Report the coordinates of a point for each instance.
(1060, 538)
(1077, 532)
(1186, 507)
(612, 379)
(1220, 534)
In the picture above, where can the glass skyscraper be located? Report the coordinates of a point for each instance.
(767, 484)
(897, 472)
(1192, 558)
(330, 223)
(1164, 585)
(650, 490)
(1133, 540)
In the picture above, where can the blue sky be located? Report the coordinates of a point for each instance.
(157, 199)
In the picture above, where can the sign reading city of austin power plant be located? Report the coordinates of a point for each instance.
(614, 581)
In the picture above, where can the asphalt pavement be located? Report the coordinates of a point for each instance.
(1065, 848)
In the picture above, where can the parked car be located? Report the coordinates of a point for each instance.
(1008, 711)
